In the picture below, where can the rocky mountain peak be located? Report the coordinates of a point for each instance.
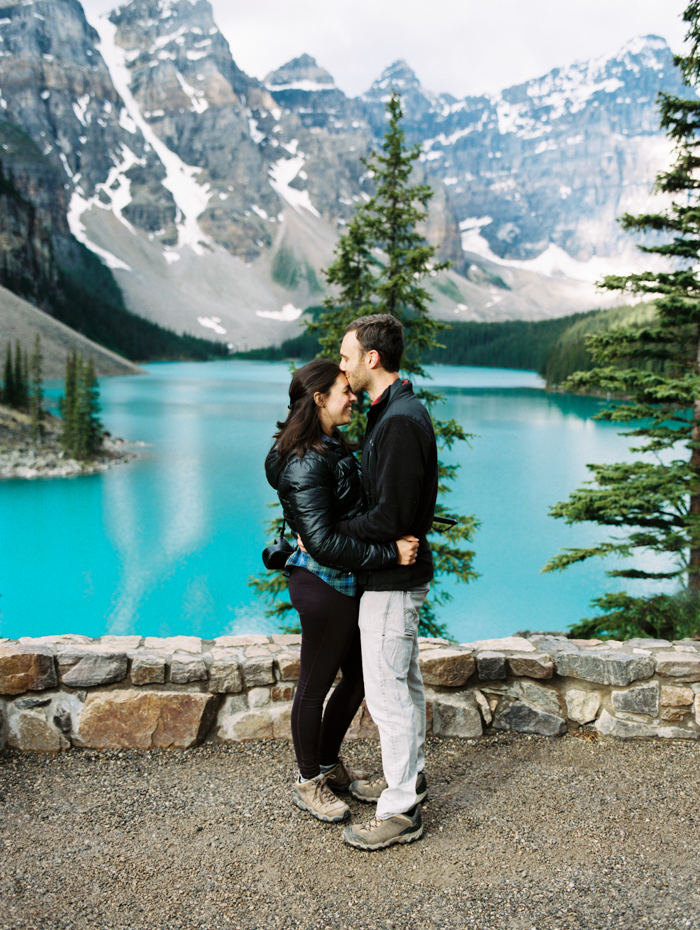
(302, 73)
(400, 78)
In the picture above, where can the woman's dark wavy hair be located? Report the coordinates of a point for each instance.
(302, 429)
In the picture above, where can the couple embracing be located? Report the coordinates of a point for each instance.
(359, 576)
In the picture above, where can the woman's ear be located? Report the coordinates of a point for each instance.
(319, 399)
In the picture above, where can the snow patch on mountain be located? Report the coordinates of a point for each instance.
(287, 314)
(79, 204)
(552, 262)
(191, 198)
(197, 98)
(282, 173)
(212, 322)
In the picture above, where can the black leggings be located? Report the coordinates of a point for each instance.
(330, 640)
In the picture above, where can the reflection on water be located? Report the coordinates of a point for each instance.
(167, 544)
(177, 505)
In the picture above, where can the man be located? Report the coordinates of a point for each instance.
(400, 475)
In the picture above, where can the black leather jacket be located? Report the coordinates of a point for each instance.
(318, 491)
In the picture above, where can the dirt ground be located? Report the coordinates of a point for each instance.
(520, 833)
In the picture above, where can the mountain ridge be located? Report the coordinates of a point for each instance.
(216, 198)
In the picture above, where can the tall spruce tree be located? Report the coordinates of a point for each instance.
(8, 391)
(653, 504)
(89, 399)
(82, 431)
(67, 405)
(36, 395)
(381, 264)
(20, 380)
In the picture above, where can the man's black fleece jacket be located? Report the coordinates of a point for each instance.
(400, 477)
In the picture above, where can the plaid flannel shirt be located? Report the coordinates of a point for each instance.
(344, 582)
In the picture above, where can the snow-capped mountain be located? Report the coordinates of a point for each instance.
(217, 198)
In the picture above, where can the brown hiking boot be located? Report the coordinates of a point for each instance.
(378, 834)
(313, 796)
(369, 791)
(342, 775)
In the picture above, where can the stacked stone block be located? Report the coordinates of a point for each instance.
(57, 692)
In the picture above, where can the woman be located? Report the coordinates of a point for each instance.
(317, 479)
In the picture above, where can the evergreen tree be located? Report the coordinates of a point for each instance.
(8, 394)
(20, 380)
(654, 502)
(380, 266)
(36, 400)
(68, 407)
(89, 401)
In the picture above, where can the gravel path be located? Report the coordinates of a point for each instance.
(521, 833)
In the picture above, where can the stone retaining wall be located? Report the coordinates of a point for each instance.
(130, 692)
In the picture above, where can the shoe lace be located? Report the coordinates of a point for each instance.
(372, 824)
(324, 793)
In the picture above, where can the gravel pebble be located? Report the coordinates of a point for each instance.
(521, 833)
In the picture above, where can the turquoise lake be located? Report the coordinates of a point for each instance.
(166, 544)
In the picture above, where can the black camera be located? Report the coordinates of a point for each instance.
(276, 554)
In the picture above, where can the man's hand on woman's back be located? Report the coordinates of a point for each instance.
(408, 547)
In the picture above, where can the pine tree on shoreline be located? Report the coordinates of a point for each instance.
(380, 265)
(36, 397)
(82, 431)
(16, 392)
(655, 501)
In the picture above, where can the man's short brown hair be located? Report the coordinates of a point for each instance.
(383, 333)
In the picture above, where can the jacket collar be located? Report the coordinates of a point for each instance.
(398, 388)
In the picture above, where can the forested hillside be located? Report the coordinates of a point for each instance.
(569, 354)
(553, 348)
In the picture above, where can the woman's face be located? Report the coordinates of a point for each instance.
(335, 408)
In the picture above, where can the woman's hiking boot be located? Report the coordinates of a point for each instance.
(313, 796)
(369, 791)
(342, 775)
(378, 834)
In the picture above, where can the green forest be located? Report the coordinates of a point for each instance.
(553, 348)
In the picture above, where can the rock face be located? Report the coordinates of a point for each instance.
(523, 718)
(85, 671)
(456, 715)
(682, 666)
(26, 668)
(448, 667)
(538, 665)
(626, 729)
(186, 668)
(225, 673)
(30, 731)
(607, 668)
(582, 706)
(642, 699)
(145, 719)
(148, 670)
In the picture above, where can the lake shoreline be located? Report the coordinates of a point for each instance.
(23, 457)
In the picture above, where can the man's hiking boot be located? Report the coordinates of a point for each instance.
(313, 796)
(369, 791)
(378, 834)
(342, 775)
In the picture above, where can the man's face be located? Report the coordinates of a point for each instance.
(353, 361)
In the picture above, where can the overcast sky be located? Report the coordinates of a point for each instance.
(455, 46)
